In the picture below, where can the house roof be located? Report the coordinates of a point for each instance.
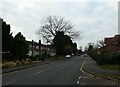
(111, 40)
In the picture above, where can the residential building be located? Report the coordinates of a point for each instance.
(50, 50)
(33, 48)
(40, 49)
(112, 44)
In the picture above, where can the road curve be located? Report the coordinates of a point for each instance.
(63, 72)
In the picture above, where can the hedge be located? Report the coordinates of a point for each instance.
(103, 59)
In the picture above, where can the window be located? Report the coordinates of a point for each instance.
(33, 45)
(41, 48)
(36, 53)
(30, 45)
(37, 47)
(30, 53)
(48, 48)
(115, 43)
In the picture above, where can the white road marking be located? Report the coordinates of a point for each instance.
(38, 72)
(9, 82)
(20, 70)
(81, 69)
(41, 71)
(78, 82)
(24, 69)
(79, 77)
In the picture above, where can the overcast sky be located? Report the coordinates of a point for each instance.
(96, 19)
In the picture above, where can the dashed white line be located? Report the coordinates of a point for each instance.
(78, 82)
(9, 82)
(38, 72)
(41, 71)
(24, 69)
(79, 77)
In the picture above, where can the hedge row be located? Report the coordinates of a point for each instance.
(104, 59)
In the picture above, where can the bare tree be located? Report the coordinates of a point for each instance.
(100, 44)
(52, 24)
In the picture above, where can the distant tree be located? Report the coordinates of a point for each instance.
(20, 47)
(7, 38)
(62, 43)
(85, 49)
(100, 44)
(80, 47)
(52, 24)
(68, 49)
(74, 45)
(90, 47)
(59, 43)
(80, 50)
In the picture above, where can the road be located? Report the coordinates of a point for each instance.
(62, 72)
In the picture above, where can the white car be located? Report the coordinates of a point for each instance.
(67, 56)
(85, 55)
(72, 54)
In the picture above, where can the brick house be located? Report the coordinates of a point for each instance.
(50, 50)
(39, 49)
(112, 44)
(33, 48)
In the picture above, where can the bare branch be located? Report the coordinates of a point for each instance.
(53, 24)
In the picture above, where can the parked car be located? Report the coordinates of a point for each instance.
(67, 56)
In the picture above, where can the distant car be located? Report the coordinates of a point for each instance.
(85, 55)
(72, 54)
(67, 56)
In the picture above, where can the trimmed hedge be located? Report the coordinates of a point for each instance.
(105, 59)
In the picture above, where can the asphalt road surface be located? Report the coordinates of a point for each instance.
(63, 72)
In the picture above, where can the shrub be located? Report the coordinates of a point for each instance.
(103, 59)
(8, 64)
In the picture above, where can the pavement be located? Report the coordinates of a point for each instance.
(62, 72)
(91, 67)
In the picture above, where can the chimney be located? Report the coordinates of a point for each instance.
(39, 41)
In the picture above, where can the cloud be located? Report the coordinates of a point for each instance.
(96, 19)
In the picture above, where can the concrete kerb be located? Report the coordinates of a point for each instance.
(21, 68)
(29, 66)
(99, 76)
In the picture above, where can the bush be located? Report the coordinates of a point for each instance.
(33, 58)
(8, 64)
(103, 59)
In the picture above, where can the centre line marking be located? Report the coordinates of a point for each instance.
(78, 82)
(38, 72)
(79, 77)
(41, 71)
(9, 82)
(3, 74)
